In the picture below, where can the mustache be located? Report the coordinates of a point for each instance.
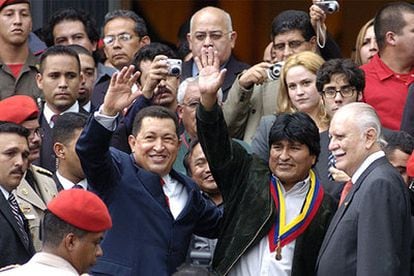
(18, 170)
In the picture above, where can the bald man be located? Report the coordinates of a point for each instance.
(212, 27)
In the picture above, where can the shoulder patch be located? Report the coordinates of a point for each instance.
(42, 171)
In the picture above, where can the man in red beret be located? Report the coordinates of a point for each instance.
(37, 187)
(73, 228)
(17, 64)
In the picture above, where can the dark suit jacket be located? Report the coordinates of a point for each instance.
(370, 233)
(12, 248)
(145, 239)
(233, 66)
(47, 158)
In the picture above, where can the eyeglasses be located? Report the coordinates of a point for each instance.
(215, 35)
(38, 131)
(294, 44)
(124, 37)
(192, 105)
(345, 91)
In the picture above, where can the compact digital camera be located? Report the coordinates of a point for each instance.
(273, 73)
(328, 6)
(174, 67)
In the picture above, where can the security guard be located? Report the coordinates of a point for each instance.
(37, 187)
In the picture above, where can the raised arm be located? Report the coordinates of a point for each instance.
(93, 144)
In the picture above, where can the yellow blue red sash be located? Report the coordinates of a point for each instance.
(282, 233)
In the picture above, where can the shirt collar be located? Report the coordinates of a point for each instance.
(67, 184)
(48, 113)
(368, 161)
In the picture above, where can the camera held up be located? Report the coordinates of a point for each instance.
(328, 6)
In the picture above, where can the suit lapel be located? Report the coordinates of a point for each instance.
(7, 213)
(344, 207)
(59, 185)
(152, 183)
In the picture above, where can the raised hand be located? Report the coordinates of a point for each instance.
(317, 15)
(210, 77)
(119, 94)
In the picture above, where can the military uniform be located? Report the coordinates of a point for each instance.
(32, 201)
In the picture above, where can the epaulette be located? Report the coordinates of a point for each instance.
(42, 171)
(9, 267)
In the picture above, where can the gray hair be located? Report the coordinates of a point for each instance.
(364, 117)
(182, 89)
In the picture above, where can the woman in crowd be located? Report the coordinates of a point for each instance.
(366, 44)
(297, 92)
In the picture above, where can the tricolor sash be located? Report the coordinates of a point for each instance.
(282, 233)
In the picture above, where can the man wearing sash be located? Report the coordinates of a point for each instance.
(276, 213)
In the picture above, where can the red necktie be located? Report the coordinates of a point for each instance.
(345, 191)
(166, 197)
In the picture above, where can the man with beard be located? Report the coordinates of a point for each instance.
(17, 63)
(37, 187)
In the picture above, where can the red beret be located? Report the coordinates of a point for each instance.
(4, 3)
(82, 209)
(18, 108)
(410, 165)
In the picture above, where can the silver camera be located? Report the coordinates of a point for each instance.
(328, 6)
(174, 67)
(273, 73)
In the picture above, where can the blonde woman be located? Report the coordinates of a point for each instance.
(366, 44)
(297, 92)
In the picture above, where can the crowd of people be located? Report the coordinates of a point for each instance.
(115, 164)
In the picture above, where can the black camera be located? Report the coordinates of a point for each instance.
(328, 6)
(273, 73)
(174, 67)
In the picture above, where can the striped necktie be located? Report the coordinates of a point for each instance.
(331, 163)
(17, 215)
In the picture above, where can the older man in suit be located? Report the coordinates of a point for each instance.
(37, 187)
(371, 231)
(212, 27)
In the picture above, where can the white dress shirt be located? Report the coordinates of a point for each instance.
(48, 113)
(67, 184)
(259, 260)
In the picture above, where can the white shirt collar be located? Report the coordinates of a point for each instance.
(5, 193)
(67, 184)
(48, 113)
(87, 106)
(368, 161)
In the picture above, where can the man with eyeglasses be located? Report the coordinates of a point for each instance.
(124, 34)
(37, 187)
(212, 27)
(340, 82)
(253, 94)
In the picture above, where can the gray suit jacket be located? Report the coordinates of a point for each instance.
(370, 233)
